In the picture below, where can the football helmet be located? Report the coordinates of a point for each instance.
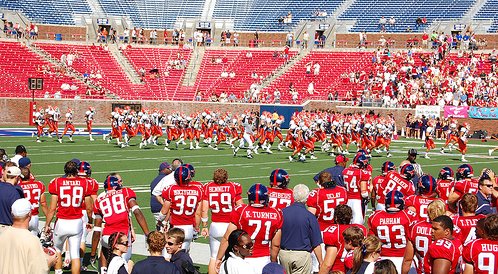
(446, 173)
(464, 171)
(279, 178)
(387, 166)
(427, 185)
(112, 183)
(85, 169)
(182, 175)
(191, 168)
(258, 195)
(360, 160)
(394, 201)
(407, 171)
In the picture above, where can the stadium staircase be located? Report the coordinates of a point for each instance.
(284, 69)
(125, 64)
(194, 66)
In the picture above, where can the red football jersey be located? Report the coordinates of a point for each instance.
(467, 227)
(392, 229)
(444, 188)
(259, 222)
(112, 206)
(395, 181)
(325, 200)
(466, 186)
(184, 202)
(421, 238)
(280, 198)
(93, 185)
(483, 254)
(353, 176)
(33, 191)
(221, 199)
(450, 250)
(198, 185)
(420, 204)
(71, 194)
(332, 236)
(378, 184)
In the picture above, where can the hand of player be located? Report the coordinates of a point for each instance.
(47, 229)
(89, 226)
(205, 232)
(133, 236)
(217, 266)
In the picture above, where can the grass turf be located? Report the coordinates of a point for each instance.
(138, 167)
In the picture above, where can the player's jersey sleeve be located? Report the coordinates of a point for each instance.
(331, 236)
(467, 252)
(365, 175)
(442, 249)
(205, 194)
(372, 221)
(312, 198)
(166, 194)
(237, 191)
(459, 188)
(235, 215)
(410, 201)
(52, 187)
(130, 194)
(95, 187)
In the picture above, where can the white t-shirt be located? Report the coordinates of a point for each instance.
(165, 182)
(236, 265)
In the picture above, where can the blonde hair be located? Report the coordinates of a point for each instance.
(369, 245)
(435, 209)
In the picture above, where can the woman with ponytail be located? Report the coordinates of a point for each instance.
(240, 245)
(118, 245)
(366, 255)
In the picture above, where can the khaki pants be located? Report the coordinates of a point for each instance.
(293, 261)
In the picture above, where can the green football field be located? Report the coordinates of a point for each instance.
(138, 167)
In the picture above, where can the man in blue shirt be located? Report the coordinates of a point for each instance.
(9, 193)
(335, 171)
(164, 169)
(300, 235)
(484, 195)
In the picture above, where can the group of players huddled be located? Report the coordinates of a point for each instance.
(252, 131)
(443, 225)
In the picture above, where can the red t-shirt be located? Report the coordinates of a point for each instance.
(395, 181)
(93, 185)
(325, 200)
(391, 228)
(113, 207)
(221, 199)
(483, 254)
(71, 193)
(450, 250)
(33, 191)
(466, 186)
(421, 238)
(444, 188)
(353, 176)
(466, 231)
(378, 184)
(332, 236)
(184, 202)
(280, 198)
(259, 222)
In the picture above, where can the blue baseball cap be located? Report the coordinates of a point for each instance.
(164, 165)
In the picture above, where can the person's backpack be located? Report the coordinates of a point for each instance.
(190, 268)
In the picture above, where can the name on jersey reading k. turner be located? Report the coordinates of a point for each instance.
(390, 221)
(261, 215)
(185, 192)
(281, 195)
(489, 247)
(219, 189)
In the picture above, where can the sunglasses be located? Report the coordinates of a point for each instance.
(247, 246)
(124, 243)
(490, 186)
(170, 243)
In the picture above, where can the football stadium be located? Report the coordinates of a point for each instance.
(236, 136)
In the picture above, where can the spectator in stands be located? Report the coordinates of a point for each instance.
(256, 39)
(382, 41)
(392, 23)
(276, 96)
(363, 40)
(316, 68)
(228, 38)
(418, 22)
(289, 39)
(306, 38)
(311, 88)
(382, 23)
(235, 39)
(126, 36)
(153, 37)
(322, 40)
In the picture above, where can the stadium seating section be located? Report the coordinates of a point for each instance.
(49, 12)
(490, 11)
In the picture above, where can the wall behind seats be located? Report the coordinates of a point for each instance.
(69, 33)
(15, 112)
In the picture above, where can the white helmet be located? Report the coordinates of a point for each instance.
(116, 116)
(221, 122)
(208, 116)
(293, 126)
(368, 125)
(88, 112)
(68, 115)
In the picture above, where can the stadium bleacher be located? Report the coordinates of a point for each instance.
(49, 12)
(368, 12)
(489, 11)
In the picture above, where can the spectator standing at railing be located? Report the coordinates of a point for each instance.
(126, 36)
(153, 37)
(228, 37)
(382, 23)
(306, 38)
(235, 39)
(289, 38)
(392, 23)
(134, 35)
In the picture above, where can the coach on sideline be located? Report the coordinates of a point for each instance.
(300, 235)
(335, 171)
(9, 193)
(164, 170)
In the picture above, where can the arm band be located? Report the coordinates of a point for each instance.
(97, 229)
(364, 194)
(161, 217)
(135, 207)
(204, 220)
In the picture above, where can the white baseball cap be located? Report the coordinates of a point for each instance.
(21, 208)
(13, 171)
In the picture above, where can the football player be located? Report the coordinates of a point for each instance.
(260, 221)
(69, 125)
(247, 123)
(462, 140)
(481, 255)
(467, 222)
(182, 204)
(443, 255)
(68, 194)
(392, 226)
(445, 183)
(419, 238)
(334, 240)
(378, 194)
(89, 121)
(34, 191)
(464, 184)
(113, 208)
(280, 195)
(221, 197)
(426, 194)
(356, 179)
(400, 181)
